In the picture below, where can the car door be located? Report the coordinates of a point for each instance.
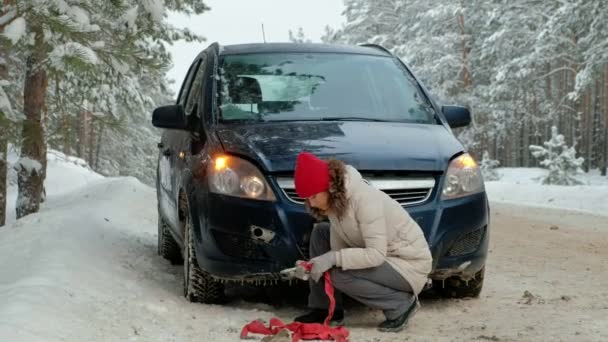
(193, 143)
(169, 159)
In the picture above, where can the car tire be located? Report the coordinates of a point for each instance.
(167, 247)
(455, 287)
(198, 285)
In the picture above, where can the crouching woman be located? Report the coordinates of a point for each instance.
(375, 252)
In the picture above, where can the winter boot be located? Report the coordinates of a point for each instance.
(397, 324)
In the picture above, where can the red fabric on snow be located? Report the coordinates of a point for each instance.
(303, 331)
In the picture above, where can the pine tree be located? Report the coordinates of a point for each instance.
(488, 167)
(522, 66)
(559, 159)
(5, 108)
(85, 52)
(298, 37)
(330, 36)
(9, 98)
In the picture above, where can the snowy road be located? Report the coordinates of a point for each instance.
(86, 269)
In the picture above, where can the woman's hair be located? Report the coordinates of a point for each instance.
(337, 191)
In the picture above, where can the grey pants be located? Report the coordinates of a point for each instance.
(380, 287)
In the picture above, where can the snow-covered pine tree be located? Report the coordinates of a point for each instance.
(39, 31)
(126, 140)
(521, 65)
(5, 107)
(559, 159)
(10, 104)
(115, 41)
(298, 37)
(129, 147)
(375, 22)
(488, 167)
(330, 36)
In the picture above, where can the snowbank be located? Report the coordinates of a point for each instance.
(85, 268)
(64, 175)
(522, 186)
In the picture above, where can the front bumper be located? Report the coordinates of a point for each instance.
(460, 246)
(226, 249)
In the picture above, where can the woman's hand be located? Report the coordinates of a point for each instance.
(302, 270)
(321, 264)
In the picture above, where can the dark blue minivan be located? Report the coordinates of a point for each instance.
(226, 201)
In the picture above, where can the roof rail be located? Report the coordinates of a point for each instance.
(377, 46)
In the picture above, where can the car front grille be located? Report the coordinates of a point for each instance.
(405, 191)
(467, 243)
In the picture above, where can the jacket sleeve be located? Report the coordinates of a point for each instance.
(369, 214)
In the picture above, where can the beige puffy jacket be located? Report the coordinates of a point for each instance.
(374, 228)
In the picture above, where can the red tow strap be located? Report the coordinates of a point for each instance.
(304, 331)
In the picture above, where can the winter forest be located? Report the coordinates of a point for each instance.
(82, 76)
(523, 67)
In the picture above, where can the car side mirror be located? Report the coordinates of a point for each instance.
(457, 116)
(172, 117)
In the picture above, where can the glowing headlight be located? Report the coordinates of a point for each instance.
(463, 178)
(237, 177)
(226, 181)
(252, 186)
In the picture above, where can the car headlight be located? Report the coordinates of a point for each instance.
(234, 176)
(463, 178)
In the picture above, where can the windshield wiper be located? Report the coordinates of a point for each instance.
(352, 118)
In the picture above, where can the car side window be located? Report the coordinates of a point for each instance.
(185, 90)
(196, 90)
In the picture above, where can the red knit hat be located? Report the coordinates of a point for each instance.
(311, 175)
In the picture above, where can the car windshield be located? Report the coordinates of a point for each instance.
(319, 86)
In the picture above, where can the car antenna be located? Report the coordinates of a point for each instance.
(263, 33)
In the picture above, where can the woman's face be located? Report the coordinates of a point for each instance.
(320, 201)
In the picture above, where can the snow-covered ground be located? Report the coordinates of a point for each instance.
(522, 186)
(85, 269)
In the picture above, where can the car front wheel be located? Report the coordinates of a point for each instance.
(198, 286)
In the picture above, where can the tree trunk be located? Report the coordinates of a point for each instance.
(3, 143)
(604, 168)
(3, 172)
(574, 124)
(507, 151)
(525, 154)
(65, 120)
(561, 98)
(33, 157)
(548, 89)
(83, 129)
(91, 144)
(466, 73)
(99, 140)
(604, 164)
(596, 138)
(494, 147)
(584, 142)
(65, 130)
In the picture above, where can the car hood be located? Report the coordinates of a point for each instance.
(386, 146)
